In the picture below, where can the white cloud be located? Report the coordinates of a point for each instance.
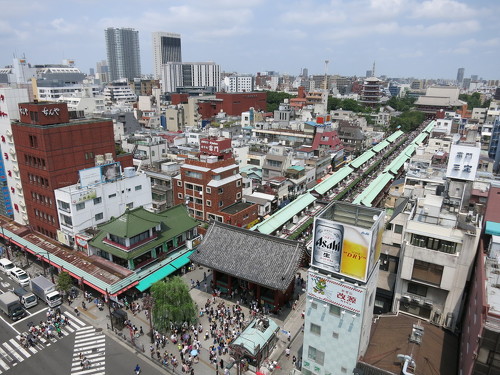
(447, 9)
(455, 51)
(442, 29)
(63, 27)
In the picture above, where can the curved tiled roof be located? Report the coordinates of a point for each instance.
(255, 257)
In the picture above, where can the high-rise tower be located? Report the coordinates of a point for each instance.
(166, 48)
(122, 46)
(460, 75)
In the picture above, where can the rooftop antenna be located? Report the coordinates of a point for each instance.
(373, 69)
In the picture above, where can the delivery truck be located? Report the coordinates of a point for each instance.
(10, 305)
(45, 290)
(26, 298)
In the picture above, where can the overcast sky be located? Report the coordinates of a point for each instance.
(406, 38)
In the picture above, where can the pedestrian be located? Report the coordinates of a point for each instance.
(294, 360)
(287, 352)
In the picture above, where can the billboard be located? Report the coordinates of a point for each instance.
(83, 196)
(348, 250)
(99, 174)
(336, 293)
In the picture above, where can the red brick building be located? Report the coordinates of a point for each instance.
(236, 103)
(211, 186)
(51, 149)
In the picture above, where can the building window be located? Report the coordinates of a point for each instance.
(130, 205)
(316, 355)
(179, 183)
(238, 183)
(33, 141)
(238, 195)
(427, 272)
(334, 310)
(192, 174)
(112, 195)
(316, 329)
(434, 244)
(209, 191)
(220, 190)
(335, 335)
(189, 186)
(80, 206)
(179, 195)
(398, 228)
(97, 200)
(419, 290)
(138, 187)
(221, 203)
(314, 305)
(209, 203)
(66, 220)
(99, 216)
(64, 206)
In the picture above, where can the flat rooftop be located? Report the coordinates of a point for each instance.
(437, 352)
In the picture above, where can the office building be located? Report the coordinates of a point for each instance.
(341, 287)
(166, 48)
(52, 149)
(122, 47)
(11, 198)
(198, 74)
(460, 75)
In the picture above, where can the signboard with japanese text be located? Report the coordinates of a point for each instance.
(83, 195)
(329, 290)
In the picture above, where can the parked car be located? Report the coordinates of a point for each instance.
(19, 276)
(6, 265)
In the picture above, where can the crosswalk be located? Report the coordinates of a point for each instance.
(12, 352)
(89, 347)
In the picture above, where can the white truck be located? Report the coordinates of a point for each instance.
(27, 299)
(46, 291)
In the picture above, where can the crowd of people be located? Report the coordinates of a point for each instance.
(46, 329)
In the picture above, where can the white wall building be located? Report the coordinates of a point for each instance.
(239, 83)
(9, 100)
(196, 74)
(81, 207)
(166, 48)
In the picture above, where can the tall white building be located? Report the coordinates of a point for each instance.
(13, 203)
(341, 288)
(83, 205)
(198, 74)
(166, 48)
(239, 83)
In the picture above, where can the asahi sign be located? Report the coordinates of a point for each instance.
(328, 240)
(348, 250)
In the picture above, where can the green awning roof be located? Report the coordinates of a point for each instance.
(154, 277)
(182, 260)
(170, 266)
(394, 136)
(379, 147)
(333, 180)
(362, 159)
(492, 228)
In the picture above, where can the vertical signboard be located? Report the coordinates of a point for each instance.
(345, 249)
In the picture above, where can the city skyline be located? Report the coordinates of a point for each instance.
(412, 38)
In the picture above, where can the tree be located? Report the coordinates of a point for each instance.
(473, 100)
(64, 282)
(172, 304)
(274, 98)
(408, 121)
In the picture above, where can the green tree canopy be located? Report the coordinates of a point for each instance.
(274, 98)
(473, 100)
(64, 281)
(347, 105)
(408, 121)
(172, 304)
(403, 104)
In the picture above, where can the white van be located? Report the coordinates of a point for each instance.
(6, 265)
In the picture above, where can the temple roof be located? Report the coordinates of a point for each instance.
(255, 257)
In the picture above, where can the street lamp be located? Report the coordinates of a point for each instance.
(48, 258)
